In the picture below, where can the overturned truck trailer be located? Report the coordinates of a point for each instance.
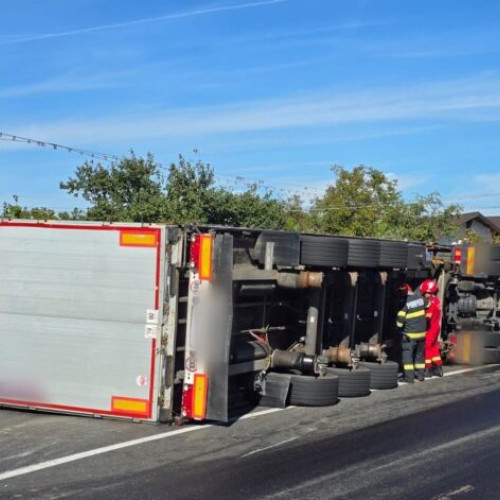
(157, 322)
(469, 277)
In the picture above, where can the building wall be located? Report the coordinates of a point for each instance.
(476, 226)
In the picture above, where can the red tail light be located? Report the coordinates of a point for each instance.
(194, 398)
(202, 255)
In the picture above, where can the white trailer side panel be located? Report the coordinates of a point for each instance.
(73, 317)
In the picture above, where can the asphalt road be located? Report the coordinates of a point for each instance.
(438, 440)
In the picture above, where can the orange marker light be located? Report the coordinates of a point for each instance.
(200, 396)
(138, 239)
(129, 405)
(471, 255)
(205, 257)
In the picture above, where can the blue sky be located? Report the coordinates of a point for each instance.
(271, 90)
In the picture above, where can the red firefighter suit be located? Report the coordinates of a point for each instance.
(432, 354)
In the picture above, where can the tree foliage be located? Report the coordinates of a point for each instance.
(16, 211)
(427, 219)
(360, 202)
(128, 191)
(137, 190)
(189, 192)
(365, 202)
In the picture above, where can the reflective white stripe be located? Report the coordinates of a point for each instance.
(416, 314)
(416, 336)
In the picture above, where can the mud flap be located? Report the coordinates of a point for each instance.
(275, 390)
(218, 366)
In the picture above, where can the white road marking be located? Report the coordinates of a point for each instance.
(114, 447)
(97, 451)
(258, 450)
(467, 370)
(164, 435)
(263, 412)
(456, 372)
(447, 496)
(345, 478)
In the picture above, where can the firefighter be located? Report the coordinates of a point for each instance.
(433, 361)
(411, 323)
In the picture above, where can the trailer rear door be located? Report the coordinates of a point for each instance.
(80, 317)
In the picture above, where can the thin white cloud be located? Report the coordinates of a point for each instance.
(286, 34)
(445, 44)
(446, 100)
(327, 136)
(104, 27)
(66, 83)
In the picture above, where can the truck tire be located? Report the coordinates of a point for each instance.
(363, 253)
(306, 390)
(382, 375)
(393, 254)
(326, 251)
(352, 383)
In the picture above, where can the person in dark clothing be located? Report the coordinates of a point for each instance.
(411, 323)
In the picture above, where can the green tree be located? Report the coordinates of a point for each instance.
(136, 189)
(365, 202)
(297, 217)
(248, 208)
(426, 219)
(17, 211)
(189, 192)
(361, 202)
(473, 238)
(129, 191)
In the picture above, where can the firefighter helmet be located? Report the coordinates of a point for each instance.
(429, 286)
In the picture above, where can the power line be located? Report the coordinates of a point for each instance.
(259, 181)
(260, 184)
(42, 144)
(352, 207)
(113, 157)
(357, 207)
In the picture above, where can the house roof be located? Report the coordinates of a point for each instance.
(496, 220)
(493, 223)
